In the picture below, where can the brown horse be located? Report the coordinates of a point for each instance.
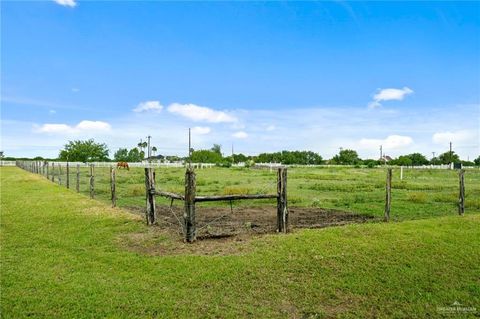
(123, 164)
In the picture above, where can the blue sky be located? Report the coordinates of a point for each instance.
(265, 76)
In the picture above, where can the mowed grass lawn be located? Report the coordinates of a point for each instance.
(63, 255)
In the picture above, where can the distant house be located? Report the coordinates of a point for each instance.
(385, 158)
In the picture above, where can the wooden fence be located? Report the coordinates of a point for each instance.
(190, 198)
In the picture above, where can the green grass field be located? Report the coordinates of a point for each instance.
(421, 194)
(64, 255)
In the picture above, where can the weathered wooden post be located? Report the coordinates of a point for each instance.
(53, 172)
(461, 197)
(78, 179)
(189, 214)
(401, 172)
(388, 195)
(92, 181)
(68, 176)
(282, 210)
(151, 214)
(112, 186)
(60, 174)
(46, 166)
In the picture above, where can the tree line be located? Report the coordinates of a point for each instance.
(91, 151)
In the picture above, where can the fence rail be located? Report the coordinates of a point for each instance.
(190, 198)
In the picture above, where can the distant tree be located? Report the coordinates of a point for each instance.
(435, 161)
(403, 160)
(84, 151)
(217, 148)
(121, 155)
(134, 155)
(154, 150)
(448, 157)
(290, 157)
(347, 157)
(477, 161)
(142, 146)
(172, 158)
(1, 155)
(418, 159)
(415, 159)
(240, 158)
(467, 163)
(206, 156)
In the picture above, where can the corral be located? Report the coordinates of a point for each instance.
(317, 196)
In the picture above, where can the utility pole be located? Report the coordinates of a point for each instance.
(148, 150)
(381, 152)
(450, 152)
(433, 155)
(233, 159)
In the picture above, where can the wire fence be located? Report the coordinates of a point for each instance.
(317, 196)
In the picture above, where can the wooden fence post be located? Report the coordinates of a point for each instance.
(151, 214)
(92, 181)
(112, 186)
(68, 176)
(282, 210)
(59, 174)
(189, 214)
(461, 196)
(78, 179)
(53, 172)
(47, 164)
(388, 195)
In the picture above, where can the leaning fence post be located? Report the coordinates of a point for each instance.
(112, 186)
(282, 210)
(53, 172)
(461, 196)
(92, 181)
(68, 175)
(388, 195)
(189, 214)
(151, 215)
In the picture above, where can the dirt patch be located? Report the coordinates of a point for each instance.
(225, 230)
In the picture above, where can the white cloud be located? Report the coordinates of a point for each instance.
(389, 95)
(54, 128)
(454, 137)
(93, 126)
(200, 113)
(201, 130)
(147, 106)
(82, 127)
(240, 134)
(392, 142)
(270, 128)
(66, 3)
